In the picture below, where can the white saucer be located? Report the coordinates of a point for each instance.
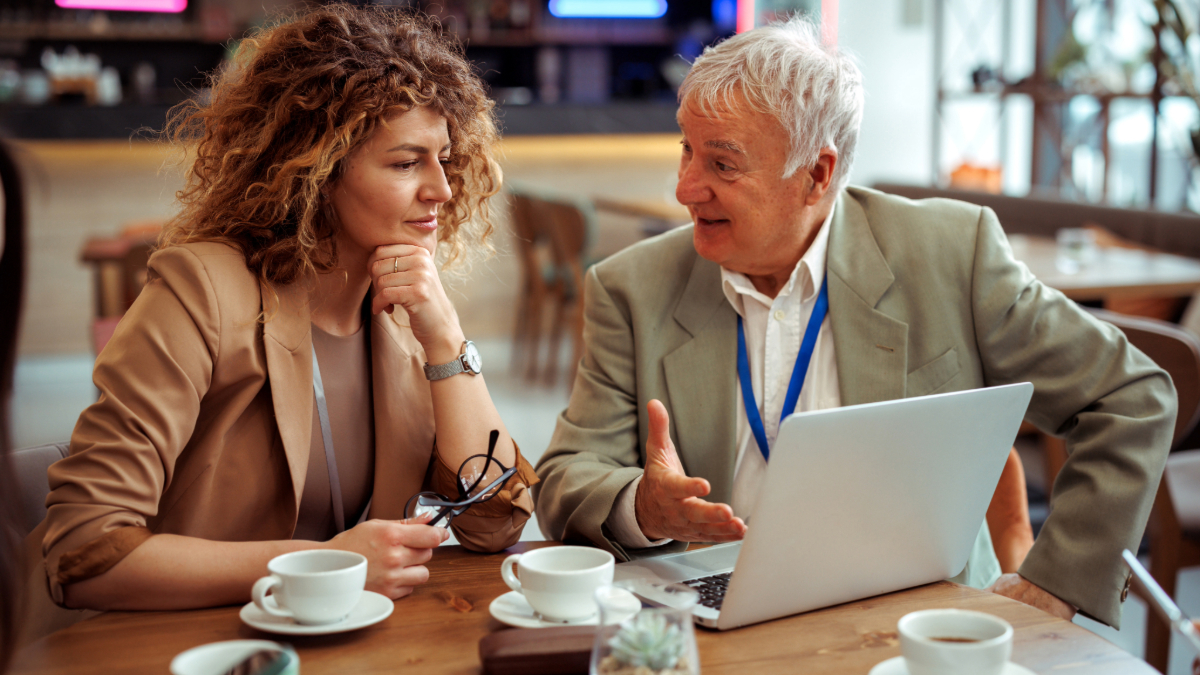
(896, 666)
(512, 609)
(372, 608)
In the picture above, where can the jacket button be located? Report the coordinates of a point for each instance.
(1125, 590)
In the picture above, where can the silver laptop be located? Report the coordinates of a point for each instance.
(857, 501)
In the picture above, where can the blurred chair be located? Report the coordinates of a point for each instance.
(119, 270)
(553, 236)
(539, 283)
(1175, 350)
(1174, 526)
(30, 465)
(572, 229)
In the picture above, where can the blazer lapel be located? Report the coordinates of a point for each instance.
(287, 339)
(702, 383)
(872, 347)
(403, 407)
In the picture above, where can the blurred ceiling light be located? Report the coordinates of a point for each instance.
(126, 5)
(608, 9)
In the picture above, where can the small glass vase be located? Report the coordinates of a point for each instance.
(657, 640)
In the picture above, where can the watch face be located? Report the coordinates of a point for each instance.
(474, 361)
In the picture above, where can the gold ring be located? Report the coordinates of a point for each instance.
(395, 265)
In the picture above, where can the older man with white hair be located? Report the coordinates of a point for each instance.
(789, 279)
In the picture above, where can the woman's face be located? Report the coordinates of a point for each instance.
(392, 186)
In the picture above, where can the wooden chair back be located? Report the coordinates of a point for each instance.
(539, 285)
(1172, 547)
(1176, 351)
(570, 232)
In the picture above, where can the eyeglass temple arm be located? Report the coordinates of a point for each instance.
(492, 438)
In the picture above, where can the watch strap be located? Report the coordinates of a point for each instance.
(444, 370)
(458, 365)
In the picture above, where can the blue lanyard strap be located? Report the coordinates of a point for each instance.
(799, 371)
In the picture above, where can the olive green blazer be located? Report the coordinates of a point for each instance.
(925, 297)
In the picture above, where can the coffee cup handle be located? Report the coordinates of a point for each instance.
(259, 595)
(506, 571)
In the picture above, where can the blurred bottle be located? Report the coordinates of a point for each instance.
(498, 13)
(108, 87)
(549, 74)
(35, 87)
(10, 81)
(519, 13)
(481, 20)
(144, 79)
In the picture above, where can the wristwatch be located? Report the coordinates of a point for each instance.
(468, 361)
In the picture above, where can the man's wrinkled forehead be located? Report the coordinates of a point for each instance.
(724, 112)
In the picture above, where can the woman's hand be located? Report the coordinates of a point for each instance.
(406, 275)
(396, 552)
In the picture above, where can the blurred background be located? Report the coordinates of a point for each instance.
(1076, 120)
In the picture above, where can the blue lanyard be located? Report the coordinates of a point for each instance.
(799, 371)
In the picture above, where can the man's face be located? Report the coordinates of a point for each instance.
(748, 217)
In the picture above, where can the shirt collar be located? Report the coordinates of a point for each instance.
(809, 273)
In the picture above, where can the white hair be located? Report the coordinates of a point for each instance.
(784, 70)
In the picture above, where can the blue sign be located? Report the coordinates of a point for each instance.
(608, 9)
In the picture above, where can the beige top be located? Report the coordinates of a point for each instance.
(346, 375)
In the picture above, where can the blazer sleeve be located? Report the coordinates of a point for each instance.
(151, 377)
(1114, 406)
(595, 450)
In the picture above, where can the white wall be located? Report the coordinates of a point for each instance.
(897, 65)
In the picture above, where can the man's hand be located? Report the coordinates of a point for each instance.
(668, 504)
(1018, 588)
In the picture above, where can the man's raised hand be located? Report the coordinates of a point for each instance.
(668, 503)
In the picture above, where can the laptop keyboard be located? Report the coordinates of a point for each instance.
(711, 589)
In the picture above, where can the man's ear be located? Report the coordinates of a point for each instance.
(821, 174)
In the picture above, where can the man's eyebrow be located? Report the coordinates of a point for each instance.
(419, 149)
(729, 146)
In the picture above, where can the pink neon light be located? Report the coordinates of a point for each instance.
(745, 15)
(126, 5)
(829, 21)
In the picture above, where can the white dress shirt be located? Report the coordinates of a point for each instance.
(774, 330)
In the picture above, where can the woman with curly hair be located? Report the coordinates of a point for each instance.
(279, 383)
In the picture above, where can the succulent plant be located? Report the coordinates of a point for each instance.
(650, 641)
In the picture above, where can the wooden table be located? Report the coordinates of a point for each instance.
(437, 630)
(1116, 272)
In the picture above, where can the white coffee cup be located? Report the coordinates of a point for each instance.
(558, 582)
(312, 587)
(953, 641)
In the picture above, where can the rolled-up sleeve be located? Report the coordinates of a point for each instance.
(151, 377)
(496, 523)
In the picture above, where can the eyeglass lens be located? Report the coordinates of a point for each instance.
(480, 472)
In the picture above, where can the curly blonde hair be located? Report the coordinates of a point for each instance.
(301, 96)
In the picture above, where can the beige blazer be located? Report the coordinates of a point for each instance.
(204, 420)
(924, 297)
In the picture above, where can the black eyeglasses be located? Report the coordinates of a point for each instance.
(479, 479)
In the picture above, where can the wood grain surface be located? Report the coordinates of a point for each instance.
(438, 628)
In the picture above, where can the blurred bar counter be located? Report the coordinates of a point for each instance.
(124, 121)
